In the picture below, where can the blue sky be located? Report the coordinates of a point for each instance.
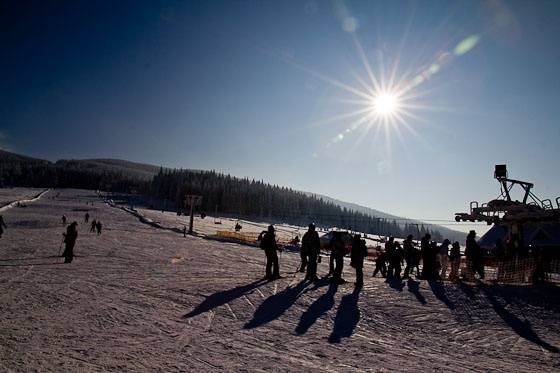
(253, 88)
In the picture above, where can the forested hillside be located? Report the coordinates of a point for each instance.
(230, 195)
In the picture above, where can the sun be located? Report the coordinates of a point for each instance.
(385, 104)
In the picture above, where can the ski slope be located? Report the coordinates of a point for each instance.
(138, 298)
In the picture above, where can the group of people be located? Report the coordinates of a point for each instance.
(71, 235)
(436, 259)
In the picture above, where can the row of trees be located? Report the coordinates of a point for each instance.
(230, 195)
(256, 199)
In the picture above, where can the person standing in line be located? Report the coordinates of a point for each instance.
(358, 254)
(312, 244)
(389, 250)
(474, 255)
(70, 240)
(396, 260)
(455, 260)
(443, 257)
(2, 226)
(338, 252)
(380, 265)
(270, 247)
(425, 254)
(408, 250)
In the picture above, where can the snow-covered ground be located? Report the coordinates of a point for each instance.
(142, 298)
(8, 195)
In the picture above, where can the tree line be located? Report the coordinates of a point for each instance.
(229, 195)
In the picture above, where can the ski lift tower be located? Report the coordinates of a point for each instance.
(192, 201)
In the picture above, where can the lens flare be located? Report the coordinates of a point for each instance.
(385, 104)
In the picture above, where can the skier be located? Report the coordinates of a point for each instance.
(337, 251)
(86, 217)
(63, 219)
(455, 260)
(99, 226)
(268, 244)
(93, 226)
(396, 259)
(473, 252)
(425, 253)
(312, 246)
(408, 249)
(358, 254)
(443, 257)
(380, 264)
(70, 240)
(2, 226)
(389, 248)
(184, 231)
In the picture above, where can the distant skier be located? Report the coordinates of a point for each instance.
(474, 255)
(443, 257)
(238, 227)
(357, 256)
(337, 251)
(93, 226)
(98, 226)
(395, 260)
(63, 219)
(86, 217)
(70, 240)
(268, 244)
(389, 250)
(2, 226)
(184, 231)
(380, 265)
(312, 246)
(455, 260)
(408, 250)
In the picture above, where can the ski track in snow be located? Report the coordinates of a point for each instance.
(138, 298)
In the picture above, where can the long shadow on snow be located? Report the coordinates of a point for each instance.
(275, 305)
(395, 283)
(347, 317)
(521, 327)
(414, 288)
(318, 308)
(222, 297)
(439, 291)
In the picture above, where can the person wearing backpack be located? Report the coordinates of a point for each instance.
(268, 244)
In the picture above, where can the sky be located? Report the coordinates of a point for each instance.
(287, 92)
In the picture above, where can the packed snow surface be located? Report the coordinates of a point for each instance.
(138, 298)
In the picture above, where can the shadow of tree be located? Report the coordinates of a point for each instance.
(318, 308)
(223, 297)
(275, 305)
(439, 291)
(347, 317)
(414, 288)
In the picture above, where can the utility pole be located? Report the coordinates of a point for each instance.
(192, 201)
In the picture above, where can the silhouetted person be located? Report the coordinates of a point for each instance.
(389, 248)
(474, 255)
(86, 217)
(425, 253)
(70, 240)
(380, 265)
(303, 252)
(238, 227)
(312, 245)
(93, 226)
(64, 219)
(98, 226)
(455, 260)
(357, 256)
(184, 231)
(408, 251)
(395, 260)
(337, 250)
(443, 257)
(2, 226)
(268, 244)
